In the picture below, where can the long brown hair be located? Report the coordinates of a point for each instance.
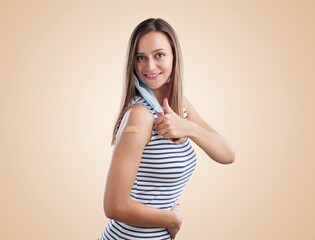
(175, 95)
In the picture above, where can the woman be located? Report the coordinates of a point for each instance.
(152, 159)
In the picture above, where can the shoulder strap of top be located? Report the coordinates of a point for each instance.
(185, 113)
(142, 101)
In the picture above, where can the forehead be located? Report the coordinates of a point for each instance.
(152, 41)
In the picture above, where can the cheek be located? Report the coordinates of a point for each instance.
(168, 64)
(137, 67)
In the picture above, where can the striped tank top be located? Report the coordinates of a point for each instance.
(164, 170)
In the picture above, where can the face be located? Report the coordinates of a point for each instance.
(154, 59)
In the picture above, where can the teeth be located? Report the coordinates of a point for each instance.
(152, 75)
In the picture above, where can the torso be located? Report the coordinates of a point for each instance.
(164, 170)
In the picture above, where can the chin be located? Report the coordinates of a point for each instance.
(154, 87)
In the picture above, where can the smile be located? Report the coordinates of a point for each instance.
(152, 75)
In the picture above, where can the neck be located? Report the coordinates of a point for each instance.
(161, 93)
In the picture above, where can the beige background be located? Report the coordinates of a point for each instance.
(249, 70)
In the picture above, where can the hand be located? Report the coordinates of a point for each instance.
(170, 125)
(174, 229)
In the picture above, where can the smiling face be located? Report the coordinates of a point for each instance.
(154, 59)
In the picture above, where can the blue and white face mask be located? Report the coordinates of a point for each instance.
(148, 95)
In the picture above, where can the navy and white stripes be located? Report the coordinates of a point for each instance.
(164, 170)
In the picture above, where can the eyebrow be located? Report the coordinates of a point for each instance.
(157, 50)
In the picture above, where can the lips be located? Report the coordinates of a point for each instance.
(152, 75)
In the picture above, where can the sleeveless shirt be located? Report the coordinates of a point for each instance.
(164, 170)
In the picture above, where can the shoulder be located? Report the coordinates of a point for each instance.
(187, 105)
(191, 111)
(138, 113)
(139, 100)
(136, 117)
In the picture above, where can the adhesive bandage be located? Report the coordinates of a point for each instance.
(133, 129)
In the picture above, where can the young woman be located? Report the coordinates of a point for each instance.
(152, 158)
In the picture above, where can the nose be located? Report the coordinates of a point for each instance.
(151, 64)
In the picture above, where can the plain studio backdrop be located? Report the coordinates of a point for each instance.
(248, 69)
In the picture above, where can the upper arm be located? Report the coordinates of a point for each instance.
(127, 155)
(193, 115)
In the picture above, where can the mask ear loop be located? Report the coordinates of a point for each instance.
(147, 94)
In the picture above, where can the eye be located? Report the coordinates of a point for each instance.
(160, 55)
(140, 58)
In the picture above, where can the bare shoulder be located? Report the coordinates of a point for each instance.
(195, 117)
(187, 105)
(139, 115)
(136, 117)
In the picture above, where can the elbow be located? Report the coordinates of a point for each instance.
(229, 158)
(226, 158)
(228, 155)
(113, 210)
(110, 210)
(222, 153)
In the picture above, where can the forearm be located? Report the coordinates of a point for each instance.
(215, 146)
(137, 214)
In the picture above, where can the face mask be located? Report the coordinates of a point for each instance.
(148, 95)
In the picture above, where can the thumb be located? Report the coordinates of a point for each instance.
(166, 106)
(159, 114)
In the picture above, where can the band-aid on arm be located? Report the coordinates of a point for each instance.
(133, 129)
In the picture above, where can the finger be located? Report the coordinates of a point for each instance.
(159, 125)
(178, 140)
(159, 119)
(159, 114)
(175, 205)
(166, 106)
(175, 140)
(168, 134)
(162, 132)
